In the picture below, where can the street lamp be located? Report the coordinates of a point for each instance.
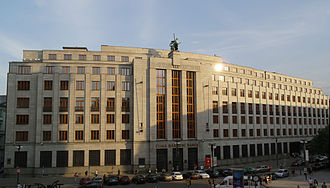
(18, 169)
(276, 152)
(177, 142)
(212, 167)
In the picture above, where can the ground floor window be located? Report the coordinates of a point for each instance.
(20, 159)
(45, 159)
(94, 158)
(125, 157)
(78, 158)
(110, 157)
(62, 159)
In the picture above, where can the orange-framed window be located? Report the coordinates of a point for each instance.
(64, 85)
(48, 85)
(23, 85)
(94, 135)
(176, 121)
(23, 102)
(22, 69)
(79, 118)
(125, 134)
(79, 135)
(22, 119)
(110, 118)
(63, 135)
(191, 123)
(110, 134)
(63, 118)
(95, 118)
(22, 135)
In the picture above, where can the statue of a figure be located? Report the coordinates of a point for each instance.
(175, 44)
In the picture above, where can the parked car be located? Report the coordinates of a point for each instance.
(177, 176)
(112, 180)
(226, 172)
(263, 168)
(213, 174)
(190, 175)
(202, 174)
(250, 170)
(138, 179)
(124, 180)
(282, 173)
(152, 178)
(97, 179)
(165, 177)
(85, 181)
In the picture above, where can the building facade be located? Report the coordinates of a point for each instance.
(3, 105)
(126, 108)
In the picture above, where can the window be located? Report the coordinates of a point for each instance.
(95, 118)
(94, 158)
(63, 104)
(110, 118)
(80, 103)
(215, 119)
(125, 118)
(215, 133)
(80, 70)
(215, 107)
(67, 57)
(94, 135)
(265, 132)
(96, 85)
(235, 133)
(22, 119)
(63, 118)
(46, 136)
(251, 132)
(49, 69)
(125, 105)
(225, 133)
(263, 95)
(96, 70)
(96, 57)
(79, 118)
(62, 159)
(110, 134)
(64, 85)
(125, 134)
(234, 119)
(23, 102)
(24, 69)
(111, 70)
(225, 119)
(82, 57)
(250, 93)
(125, 86)
(63, 135)
(79, 135)
(233, 92)
(66, 70)
(48, 85)
(48, 103)
(224, 91)
(242, 93)
(80, 85)
(21, 135)
(78, 158)
(214, 90)
(124, 58)
(111, 58)
(224, 106)
(110, 85)
(257, 94)
(125, 157)
(243, 133)
(47, 119)
(52, 56)
(243, 120)
(95, 104)
(124, 71)
(110, 157)
(110, 104)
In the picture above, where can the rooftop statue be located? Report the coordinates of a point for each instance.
(174, 44)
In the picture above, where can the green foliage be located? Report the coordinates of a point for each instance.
(320, 143)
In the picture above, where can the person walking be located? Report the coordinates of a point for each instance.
(96, 173)
(305, 173)
(324, 185)
(86, 172)
(310, 182)
(118, 172)
(316, 182)
(75, 177)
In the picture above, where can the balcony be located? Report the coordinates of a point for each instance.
(79, 108)
(63, 108)
(110, 109)
(95, 109)
(47, 109)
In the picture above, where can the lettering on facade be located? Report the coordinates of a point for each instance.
(176, 145)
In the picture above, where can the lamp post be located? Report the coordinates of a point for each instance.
(18, 169)
(212, 167)
(276, 152)
(177, 142)
(304, 142)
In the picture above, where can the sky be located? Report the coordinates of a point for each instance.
(287, 37)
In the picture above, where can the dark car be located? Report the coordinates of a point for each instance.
(85, 181)
(152, 178)
(111, 180)
(213, 174)
(165, 177)
(138, 179)
(227, 172)
(124, 180)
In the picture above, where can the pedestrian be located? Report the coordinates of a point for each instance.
(149, 170)
(96, 173)
(293, 170)
(265, 180)
(118, 172)
(103, 178)
(305, 173)
(156, 170)
(188, 182)
(298, 186)
(86, 172)
(324, 185)
(163, 170)
(310, 182)
(316, 182)
(75, 177)
(136, 171)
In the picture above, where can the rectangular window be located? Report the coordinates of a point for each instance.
(225, 119)
(215, 133)
(111, 85)
(125, 71)
(225, 107)
(62, 159)
(224, 91)
(256, 94)
(94, 158)
(125, 157)
(110, 157)
(80, 104)
(23, 85)
(160, 102)
(24, 69)
(110, 134)
(65, 69)
(64, 85)
(94, 135)
(125, 105)
(95, 118)
(47, 119)
(80, 85)
(235, 134)
(49, 69)
(250, 93)
(215, 119)
(214, 90)
(63, 135)
(111, 70)
(215, 107)
(95, 85)
(96, 57)
(110, 118)
(46, 135)
(242, 93)
(79, 118)
(190, 80)
(233, 92)
(125, 86)
(124, 58)
(52, 56)
(48, 104)
(176, 122)
(22, 119)
(67, 57)
(125, 134)
(95, 104)
(110, 104)
(225, 133)
(21, 135)
(82, 57)
(79, 135)
(23, 102)
(80, 70)
(243, 133)
(96, 70)
(48, 85)
(111, 58)
(63, 118)
(125, 118)
(63, 104)
(78, 158)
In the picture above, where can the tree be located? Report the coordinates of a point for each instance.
(320, 143)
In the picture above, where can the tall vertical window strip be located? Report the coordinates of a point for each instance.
(160, 97)
(176, 129)
(191, 105)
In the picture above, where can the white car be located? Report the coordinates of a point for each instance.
(282, 173)
(202, 174)
(177, 176)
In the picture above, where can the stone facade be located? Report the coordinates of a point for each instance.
(279, 111)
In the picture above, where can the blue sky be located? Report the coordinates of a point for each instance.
(288, 37)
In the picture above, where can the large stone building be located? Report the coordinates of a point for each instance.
(125, 108)
(3, 104)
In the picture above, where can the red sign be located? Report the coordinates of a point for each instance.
(207, 162)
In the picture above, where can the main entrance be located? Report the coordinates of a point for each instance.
(161, 159)
(178, 159)
(192, 158)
